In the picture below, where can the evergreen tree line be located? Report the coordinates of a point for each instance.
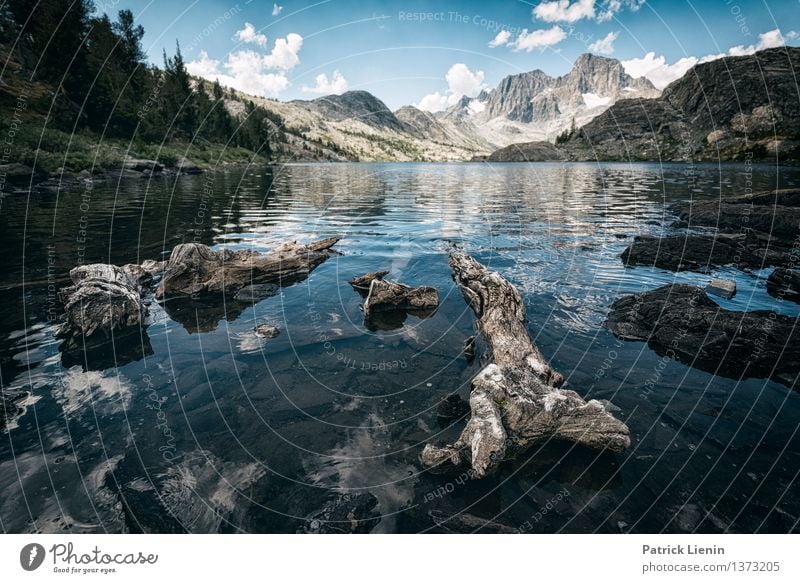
(104, 84)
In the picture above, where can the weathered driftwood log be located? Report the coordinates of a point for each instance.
(194, 269)
(388, 295)
(388, 304)
(103, 299)
(682, 322)
(361, 283)
(516, 399)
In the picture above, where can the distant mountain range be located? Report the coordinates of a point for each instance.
(727, 109)
(707, 111)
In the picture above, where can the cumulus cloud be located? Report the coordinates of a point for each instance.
(766, 40)
(284, 53)
(276, 10)
(249, 35)
(605, 45)
(335, 85)
(250, 71)
(538, 39)
(661, 74)
(461, 81)
(564, 10)
(502, 38)
(610, 8)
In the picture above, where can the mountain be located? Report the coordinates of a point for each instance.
(729, 108)
(534, 105)
(360, 105)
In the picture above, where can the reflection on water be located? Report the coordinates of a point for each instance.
(203, 426)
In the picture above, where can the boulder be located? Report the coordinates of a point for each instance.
(784, 284)
(682, 322)
(724, 288)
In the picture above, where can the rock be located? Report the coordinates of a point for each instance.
(517, 399)
(103, 299)
(186, 166)
(785, 284)
(682, 322)
(452, 407)
(528, 152)
(140, 165)
(10, 407)
(256, 292)
(724, 288)
(700, 252)
(194, 269)
(346, 514)
(362, 283)
(267, 331)
(780, 223)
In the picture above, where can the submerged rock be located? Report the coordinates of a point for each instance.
(724, 288)
(346, 514)
(784, 284)
(688, 252)
(682, 322)
(256, 292)
(267, 331)
(452, 407)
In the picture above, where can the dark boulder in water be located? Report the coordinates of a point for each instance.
(784, 284)
(682, 322)
(346, 514)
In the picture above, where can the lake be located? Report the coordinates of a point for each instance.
(201, 426)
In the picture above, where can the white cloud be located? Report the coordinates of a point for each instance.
(502, 38)
(766, 40)
(433, 102)
(204, 66)
(335, 85)
(243, 70)
(656, 69)
(461, 81)
(610, 8)
(249, 35)
(527, 41)
(564, 10)
(284, 53)
(605, 45)
(792, 35)
(660, 74)
(276, 10)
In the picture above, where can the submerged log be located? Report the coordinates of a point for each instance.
(194, 269)
(102, 300)
(682, 322)
(516, 400)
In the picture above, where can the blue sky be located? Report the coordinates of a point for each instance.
(431, 53)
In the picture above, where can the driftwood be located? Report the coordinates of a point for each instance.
(195, 270)
(103, 299)
(361, 283)
(516, 399)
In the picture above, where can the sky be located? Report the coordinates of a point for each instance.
(430, 54)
